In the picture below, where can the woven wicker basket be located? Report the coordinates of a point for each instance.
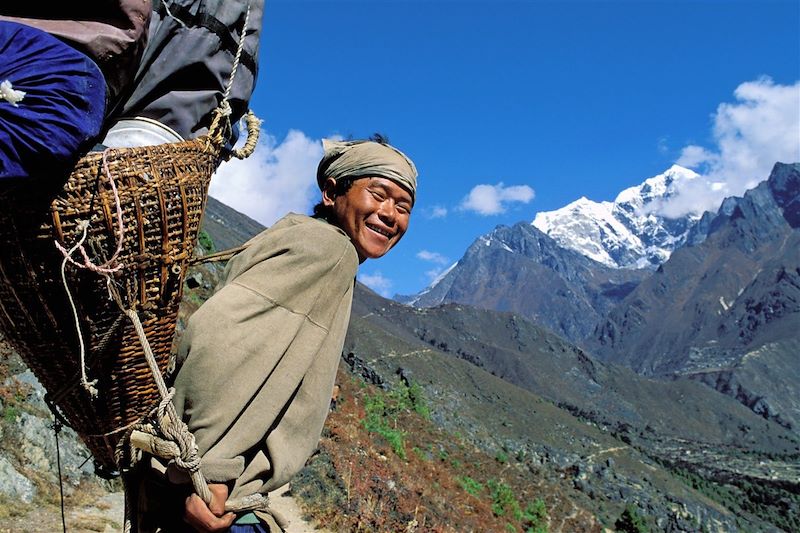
(163, 191)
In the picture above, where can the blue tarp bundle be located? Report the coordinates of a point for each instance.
(63, 107)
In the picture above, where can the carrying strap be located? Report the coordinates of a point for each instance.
(202, 19)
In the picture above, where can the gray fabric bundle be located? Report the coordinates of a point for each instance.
(188, 60)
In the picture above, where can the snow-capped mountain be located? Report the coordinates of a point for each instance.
(522, 270)
(625, 233)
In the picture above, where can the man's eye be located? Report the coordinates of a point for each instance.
(404, 208)
(377, 195)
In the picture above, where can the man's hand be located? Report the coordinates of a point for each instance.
(209, 518)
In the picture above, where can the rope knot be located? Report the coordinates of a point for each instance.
(187, 458)
(90, 386)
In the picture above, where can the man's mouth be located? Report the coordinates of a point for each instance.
(386, 233)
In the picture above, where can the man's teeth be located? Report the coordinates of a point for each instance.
(379, 230)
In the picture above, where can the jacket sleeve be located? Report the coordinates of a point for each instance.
(249, 347)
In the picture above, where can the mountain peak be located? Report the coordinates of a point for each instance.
(621, 234)
(659, 186)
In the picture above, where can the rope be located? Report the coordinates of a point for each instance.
(88, 385)
(253, 129)
(56, 430)
(106, 267)
(127, 519)
(219, 130)
(185, 453)
(145, 438)
(224, 255)
(238, 56)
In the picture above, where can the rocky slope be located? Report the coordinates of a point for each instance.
(725, 311)
(566, 406)
(533, 358)
(30, 463)
(228, 227)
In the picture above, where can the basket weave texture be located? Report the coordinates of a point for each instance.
(163, 191)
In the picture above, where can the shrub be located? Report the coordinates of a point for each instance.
(382, 410)
(410, 398)
(382, 419)
(535, 516)
(204, 240)
(630, 521)
(503, 500)
(418, 401)
(470, 486)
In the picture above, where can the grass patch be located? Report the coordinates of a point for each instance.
(204, 240)
(383, 409)
(381, 418)
(13, 509)
(532, 518)
(471, 486)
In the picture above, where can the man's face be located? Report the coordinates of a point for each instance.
(374, 213)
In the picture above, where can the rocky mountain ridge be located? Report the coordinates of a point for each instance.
(521, 269)
(724, 311)
(569, 267)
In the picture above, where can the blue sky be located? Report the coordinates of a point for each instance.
(525, 106)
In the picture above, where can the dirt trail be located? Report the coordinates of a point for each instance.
(106, 515)
(282, 501)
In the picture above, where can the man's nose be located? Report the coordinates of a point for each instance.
(387, 212)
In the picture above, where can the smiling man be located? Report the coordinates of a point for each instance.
(260, 356)
(367, 191)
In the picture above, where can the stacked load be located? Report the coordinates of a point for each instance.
(114, 232)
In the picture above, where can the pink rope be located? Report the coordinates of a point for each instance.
(106, 267)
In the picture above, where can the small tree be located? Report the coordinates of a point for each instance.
(630, 521)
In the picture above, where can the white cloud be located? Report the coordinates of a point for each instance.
(377, 282)
(494, 199)
(433, 257)
(433, 274)
(761, 128)
(276, 179)
(692, 156)
(437, 211)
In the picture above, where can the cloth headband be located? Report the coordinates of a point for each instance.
(366, 158)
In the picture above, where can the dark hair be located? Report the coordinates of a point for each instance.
(379, 138)
(342, 186)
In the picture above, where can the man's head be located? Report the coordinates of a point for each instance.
(368, 191)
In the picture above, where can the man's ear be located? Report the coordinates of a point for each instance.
(328, 192)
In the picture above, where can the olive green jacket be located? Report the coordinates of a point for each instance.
(260, 356)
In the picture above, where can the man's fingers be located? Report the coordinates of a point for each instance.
(226, 520)
(219, 494)
(199, 516)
